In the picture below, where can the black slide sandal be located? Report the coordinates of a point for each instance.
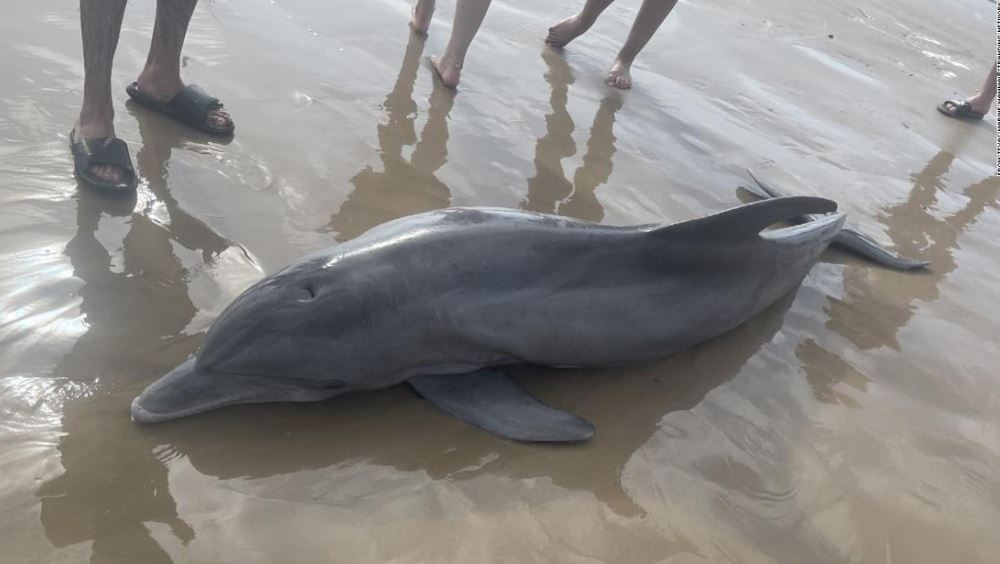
(190, 106)
(102, 151)
(959, 110)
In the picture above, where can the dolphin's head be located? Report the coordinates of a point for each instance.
(269, 345)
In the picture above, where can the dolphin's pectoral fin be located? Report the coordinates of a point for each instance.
(488, 399)
(749, 219)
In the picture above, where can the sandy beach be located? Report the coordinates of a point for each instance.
(858, 420)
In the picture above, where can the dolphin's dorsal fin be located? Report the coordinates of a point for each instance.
(488, 399)
(749, 219)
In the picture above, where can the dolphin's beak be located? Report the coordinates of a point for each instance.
(184, 391)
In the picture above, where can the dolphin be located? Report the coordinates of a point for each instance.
(444, 300)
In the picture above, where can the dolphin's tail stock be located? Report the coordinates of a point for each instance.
(847, 238)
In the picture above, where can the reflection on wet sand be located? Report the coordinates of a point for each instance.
(404, 186)
(549, 191)
(864, 317)
(825, 371)
(916, 232)
(136, 309)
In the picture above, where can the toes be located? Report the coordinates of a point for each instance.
(107, 173)
(620, 81)
(220, 118)
(101, 172)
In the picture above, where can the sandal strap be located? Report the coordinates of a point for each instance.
(960, 109)
(195, 102)
(108, 151)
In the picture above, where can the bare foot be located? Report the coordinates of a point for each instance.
(447, 69)
(620, 75)
(567, 30)
(163, 89)
(93, 128)
(420, 18)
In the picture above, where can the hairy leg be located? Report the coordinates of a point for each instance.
(100, 24)
(161, 77)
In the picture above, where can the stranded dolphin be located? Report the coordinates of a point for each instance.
(443, 300)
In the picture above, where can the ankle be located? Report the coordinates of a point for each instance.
(96, 117)
(981, 103)
(451, 60)
(160, 79)
(623, 61)
(585, 19)
(90, 125)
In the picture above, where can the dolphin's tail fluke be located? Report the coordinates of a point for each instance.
(847, 238)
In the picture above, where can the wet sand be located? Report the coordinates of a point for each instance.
(856, 421)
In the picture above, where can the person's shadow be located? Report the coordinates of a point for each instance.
(135, 302)
(404, 186)
(862, 316)
(549, 191)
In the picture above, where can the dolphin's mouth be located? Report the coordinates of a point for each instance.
(189, 390)
(142, 415)
(185, 391)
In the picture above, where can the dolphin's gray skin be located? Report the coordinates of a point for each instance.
(848, 238)
(442, 299)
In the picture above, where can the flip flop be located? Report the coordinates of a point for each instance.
(959, 110)
(190, 106)
(102, 151)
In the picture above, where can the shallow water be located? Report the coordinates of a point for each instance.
(857, 420)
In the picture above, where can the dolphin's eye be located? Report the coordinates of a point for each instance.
(306, 293)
